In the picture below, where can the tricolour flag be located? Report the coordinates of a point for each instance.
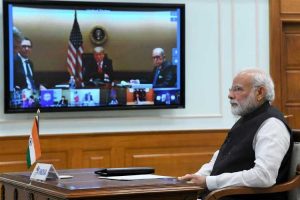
(34, 148)
(75, 51)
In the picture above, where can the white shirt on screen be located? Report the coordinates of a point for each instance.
(27, 73)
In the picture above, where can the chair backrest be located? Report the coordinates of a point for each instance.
(295, 194)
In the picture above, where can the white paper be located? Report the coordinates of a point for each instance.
(134, 177)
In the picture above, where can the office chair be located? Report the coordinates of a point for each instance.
(292, 185)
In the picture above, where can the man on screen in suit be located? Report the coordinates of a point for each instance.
(18, 37)
(257, 150)
(99, 68)
(23, 67)
(63, 102)
(164, 73)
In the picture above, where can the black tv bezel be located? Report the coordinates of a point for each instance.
(82, 5)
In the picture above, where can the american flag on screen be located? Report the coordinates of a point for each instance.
(75, 51)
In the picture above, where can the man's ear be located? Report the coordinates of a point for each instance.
(260, 93)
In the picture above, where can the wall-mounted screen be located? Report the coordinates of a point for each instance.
(83, 56)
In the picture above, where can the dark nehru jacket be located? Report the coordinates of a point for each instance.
(237, 154)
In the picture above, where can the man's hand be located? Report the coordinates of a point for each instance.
(193, 178)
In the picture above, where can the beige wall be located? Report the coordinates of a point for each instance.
(129, 44)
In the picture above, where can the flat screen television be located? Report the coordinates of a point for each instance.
(84, 56)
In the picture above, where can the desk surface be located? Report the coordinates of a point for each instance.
(85, 184)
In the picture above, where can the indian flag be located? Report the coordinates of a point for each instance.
(34, 148)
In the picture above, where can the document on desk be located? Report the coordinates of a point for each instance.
(134, 177)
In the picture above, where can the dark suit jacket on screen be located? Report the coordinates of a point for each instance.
(19, 73)
(166, 76)
(91, 69)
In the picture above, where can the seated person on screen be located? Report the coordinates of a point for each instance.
(113, 101)
(31, 101)
(139, 96)
(63, 102)
(23, 67)
(99, 68)
(113, 97)
(164, 73)
(18, 37)
(257, 150)
(88, 99)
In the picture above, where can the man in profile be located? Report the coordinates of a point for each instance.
(164, 73)
(99, 68)
(257, 150)
(23, 67)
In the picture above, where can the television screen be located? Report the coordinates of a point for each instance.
(80, 56)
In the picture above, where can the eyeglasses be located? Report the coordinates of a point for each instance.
(156, 57)
(236, 88)
(26, 46)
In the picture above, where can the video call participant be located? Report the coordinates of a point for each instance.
(164, 73)
(257, 150)
(18, 37)
(63, 102)
(23, 67)
(99, 68)
(113, 97)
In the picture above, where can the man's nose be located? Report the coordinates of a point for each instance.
(230, 95)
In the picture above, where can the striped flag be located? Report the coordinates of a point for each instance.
(34, 148)
(75, 51)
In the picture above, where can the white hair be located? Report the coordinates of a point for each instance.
(17, 33)
(158, 51)
(262, 79)
(98, 49)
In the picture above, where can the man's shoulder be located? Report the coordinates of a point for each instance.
(30, 61)
(18, 62)
(274, 112)
(88, 60)
(107, 60)
(17, 59)
(167, 65)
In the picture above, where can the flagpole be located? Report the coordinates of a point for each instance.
(34, 149)
(38, 120)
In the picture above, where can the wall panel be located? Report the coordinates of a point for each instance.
(96, 158)
(169, 152)
(293, 90)
(170, 161)
(290, 6)
(285, 49)
(293, 50)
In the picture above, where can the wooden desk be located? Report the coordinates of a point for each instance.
(86, 185)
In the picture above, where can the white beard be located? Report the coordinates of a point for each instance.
(244, 107)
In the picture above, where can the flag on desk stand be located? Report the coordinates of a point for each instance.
(75, 51)
(34, 148)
